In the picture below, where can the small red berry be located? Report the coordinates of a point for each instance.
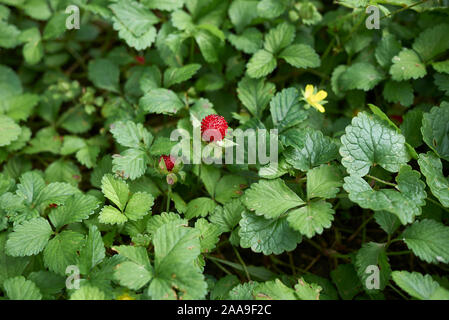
(213, 128)
(169, 162)
(140, 59)
(53, 205)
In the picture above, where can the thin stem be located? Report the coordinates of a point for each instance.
(398, 292)
(364, 223)
(381, 181)
(222, 268)
(167, 208)
(403, 9)
(239, 257)
(398, 253)
(292, 263)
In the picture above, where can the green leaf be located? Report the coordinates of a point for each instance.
(368, 141)
(75, 209)
(387, 48)
(132, 275)
(228, 187)
(415, 284)
(432, 42)
(63, 171)
(228, 216)
(323, 182)
(405, 203)
(347, 282)
(208, 44)
(441, 66)
(270, 8)
(33, 50)
(407, 65)
(130, 164)
(161, 101)
(286, 110)
(373, 254)
(10, 266)
(168, 5)
(360, 75)
(255, 94)
(271, 198)
(428, 240)
(209, 234)
(104, 74)
(311, 219)
(199, 207)
(139, 205)
(61, 251)
(411, 127)
(274, 290)
(130, 134)
(434, 130)
(242, 12)
(250, 41)
(301, 56)
(134, 23)
(111, 215)
(401, 92)
(315, 149)
(93, 251)
(177, 75)
(267, 235)
(432, 168)
(279, 37)
(88, 292)
(9, 35)
(115, 190)
(261, 64)
(387, 221)
(176, 248)
(18, 288)
(55, 27)
(306, 291)
(9, 130)
(29, 238)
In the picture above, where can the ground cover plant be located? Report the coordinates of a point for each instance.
(93, 206)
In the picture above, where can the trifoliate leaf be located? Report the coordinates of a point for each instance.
(255, 94)
(427, 239)
(18, 288)
(115, 190)
(301, 56)
(271, 198)
(407, 65)
(61, 251)
(29, 238)
(369, 141)
(267, 235)
(312, 218)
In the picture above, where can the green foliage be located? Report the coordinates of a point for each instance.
(359, 120)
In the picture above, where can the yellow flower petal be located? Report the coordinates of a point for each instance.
(319, 107)
(309, 91)
(321, 95)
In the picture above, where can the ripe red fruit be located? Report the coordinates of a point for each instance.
(169, 162)
(213, 128)
(140, 59)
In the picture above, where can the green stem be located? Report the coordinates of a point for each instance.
(167, 208)
(242, 263)
(381, 181)
(402, 9)
(222, 268)
(398, 253)
(364, 223)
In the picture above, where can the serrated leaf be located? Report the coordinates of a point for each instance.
(373, 254)
(132, 275)
(75, 209)
(88, 292)
(115, 190)
(111, 215)
(29, 238)
(432, 41)
(250, 41)
(93, 251)
(18, 288)
(161, 101)
(177, 75)
(311, 219)
(434, 130)
(428, 240)
(9, 130)
(369, 141)
(104, 74)
(271, 198)
(255, 94)
(261, 64)
(242, 12)
(360, 75)
(279, 37)
(229, 215)
(415, 284)
(199, 207)
(401, 92)
(407, 65)
(267, 235)
(130, 134)
(324, 182)
(286, 110)
(130, 164)
(61, 251)
(432, 168)
(139, 205)
(301, 56)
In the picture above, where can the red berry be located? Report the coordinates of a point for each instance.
(169, 162)
(140, 59)
(213, 128)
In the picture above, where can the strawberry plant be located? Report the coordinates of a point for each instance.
(211, 149)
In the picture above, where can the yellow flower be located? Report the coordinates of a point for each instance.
(314, 99)
(125, 296)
